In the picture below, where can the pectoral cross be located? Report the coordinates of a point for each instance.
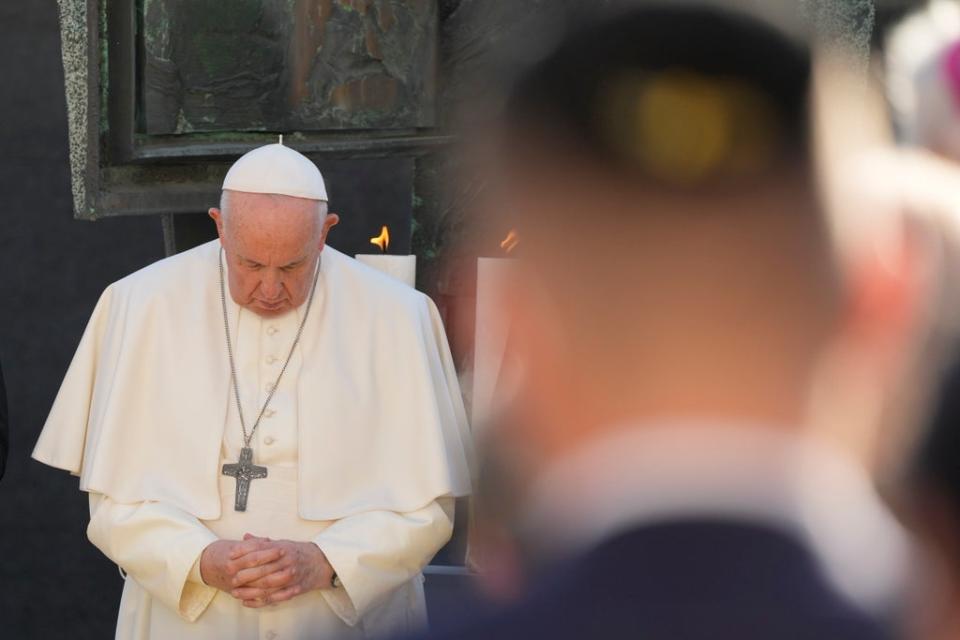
(244, 471)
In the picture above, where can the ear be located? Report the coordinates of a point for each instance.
(217, 217)
(329, 222)
(857, 401)
(887, 293)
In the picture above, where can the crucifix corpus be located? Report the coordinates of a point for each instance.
(244, 471)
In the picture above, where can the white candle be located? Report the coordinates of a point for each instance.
(490, 338)
(403, 268)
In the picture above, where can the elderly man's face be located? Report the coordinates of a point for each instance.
(271, 243)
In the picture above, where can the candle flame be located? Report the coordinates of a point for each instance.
(510, 243)
(382, 240)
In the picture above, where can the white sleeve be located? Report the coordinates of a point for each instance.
(376, 552)
(159, 546)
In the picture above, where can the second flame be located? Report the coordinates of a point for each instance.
(510, 243)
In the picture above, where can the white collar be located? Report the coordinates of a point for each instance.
(762, 475)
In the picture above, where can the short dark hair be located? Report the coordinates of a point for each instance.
(566, 97)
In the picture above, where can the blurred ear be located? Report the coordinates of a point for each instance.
(887, 295)
(860, 399)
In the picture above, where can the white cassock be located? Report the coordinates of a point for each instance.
(365, 442)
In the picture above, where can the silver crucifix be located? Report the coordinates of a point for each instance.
(244, 471)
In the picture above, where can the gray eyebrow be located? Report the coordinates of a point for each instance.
(289, 264)
(295, 262)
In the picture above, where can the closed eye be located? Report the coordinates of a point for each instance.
(292, 266)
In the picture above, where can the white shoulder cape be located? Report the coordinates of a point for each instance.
(141, 412)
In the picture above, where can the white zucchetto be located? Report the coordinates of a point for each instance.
(276, 169)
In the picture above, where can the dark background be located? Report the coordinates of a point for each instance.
(53, 583)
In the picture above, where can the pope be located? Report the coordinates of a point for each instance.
(270, 434)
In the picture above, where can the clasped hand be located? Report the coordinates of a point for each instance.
(261, 571)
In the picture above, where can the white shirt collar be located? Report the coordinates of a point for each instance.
(753, 474)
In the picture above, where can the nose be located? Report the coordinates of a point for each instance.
(271, 287)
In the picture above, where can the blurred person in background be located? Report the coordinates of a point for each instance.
(704, 348)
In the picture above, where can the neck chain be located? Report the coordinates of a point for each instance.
(248, 437)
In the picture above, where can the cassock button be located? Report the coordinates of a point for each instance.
(269, 386)
(271, 359)
(269, 413)
(272, 330)
(268, 440)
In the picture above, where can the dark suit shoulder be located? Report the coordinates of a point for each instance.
(682, 580)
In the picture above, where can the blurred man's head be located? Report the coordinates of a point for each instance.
(677, 262)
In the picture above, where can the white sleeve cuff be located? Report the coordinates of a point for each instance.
(341, 604)
(195, 596)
